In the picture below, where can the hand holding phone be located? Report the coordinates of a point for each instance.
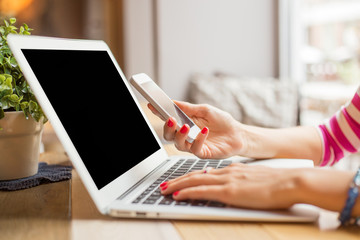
(162, 103)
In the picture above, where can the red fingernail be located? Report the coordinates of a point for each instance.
(163, 184)
(204, 130)
(164, 188)
(176, 193)
(183, 129)
(170, 123)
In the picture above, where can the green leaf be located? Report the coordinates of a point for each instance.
(2, 79)
(14, 98)
(24, 105)
(12, 20)
(6, 81)
(12, 28)
(13, 62)
(27, 28)
(32, 105)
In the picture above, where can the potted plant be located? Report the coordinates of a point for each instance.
(21, 117)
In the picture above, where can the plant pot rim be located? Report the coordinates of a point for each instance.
(13, 112)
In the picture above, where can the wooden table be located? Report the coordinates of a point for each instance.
(64, 210)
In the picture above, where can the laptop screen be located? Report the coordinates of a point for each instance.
(96, 109)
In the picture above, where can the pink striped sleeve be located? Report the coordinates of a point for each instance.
(341, 133)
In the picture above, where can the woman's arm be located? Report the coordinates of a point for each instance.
(331, 141)
(296, 142)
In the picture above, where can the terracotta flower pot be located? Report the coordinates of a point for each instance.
(20, 140)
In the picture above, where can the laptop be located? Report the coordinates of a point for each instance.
(110, 141)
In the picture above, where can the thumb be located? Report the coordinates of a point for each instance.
(191, 109)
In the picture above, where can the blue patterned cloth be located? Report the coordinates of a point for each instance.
(46, 174)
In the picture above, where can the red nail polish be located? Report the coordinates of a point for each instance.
(163, 184)
(183, 129)
(176, 193)
(204, 130)
(170, 123)
(164, 188)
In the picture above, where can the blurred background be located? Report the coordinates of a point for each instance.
(273, 63)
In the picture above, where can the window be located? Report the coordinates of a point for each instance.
(321, 50)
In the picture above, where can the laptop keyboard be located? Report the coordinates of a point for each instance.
(152, 195)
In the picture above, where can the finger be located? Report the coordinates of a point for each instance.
(197, 146)
(180, 138)
(203, 192)
(170, 129)
(234, 167)
(185, 106)
(151, 107)
(198, 110)
(194, 180)
(210, 170)
(155, 112)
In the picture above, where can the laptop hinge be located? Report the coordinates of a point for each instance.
(143, 179)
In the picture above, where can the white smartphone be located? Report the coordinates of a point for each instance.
(162, 103)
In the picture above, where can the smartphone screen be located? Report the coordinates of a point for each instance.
(169, 106)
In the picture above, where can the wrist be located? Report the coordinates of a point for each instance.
(254, 142)
(296, 142)
(290, 189)
(304, 179)
(298, 186)
(324, 188)
(245, 138)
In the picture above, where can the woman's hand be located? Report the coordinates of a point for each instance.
(238, 185)
(220, 137)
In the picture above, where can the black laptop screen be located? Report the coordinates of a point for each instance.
(96, 109)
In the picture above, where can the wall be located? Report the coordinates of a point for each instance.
(138, 37)
(232, 36)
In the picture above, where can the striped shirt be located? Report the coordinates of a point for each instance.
(341, 133)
